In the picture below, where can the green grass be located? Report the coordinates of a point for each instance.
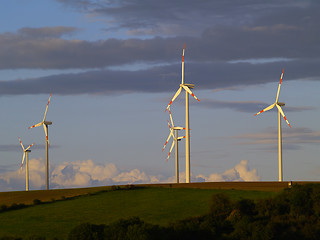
(154, 205)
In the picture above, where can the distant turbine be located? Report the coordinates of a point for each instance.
(174, 142)
(280, 112)
(26, 156)
(186, 87)
(45, 127)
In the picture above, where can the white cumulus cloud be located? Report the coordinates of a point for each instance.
(241, 172)
(86, 173)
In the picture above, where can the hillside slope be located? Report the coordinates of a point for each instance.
(154, 205)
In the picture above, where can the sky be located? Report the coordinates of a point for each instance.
(113, 66)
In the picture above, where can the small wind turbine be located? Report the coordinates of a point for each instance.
(280, 112)
(45, 125)
(26, 156)
(186, 87)
(174, 142)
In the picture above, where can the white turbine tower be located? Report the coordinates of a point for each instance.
(26, 156)
(174, 142)
(280, 112)
(45, 125)
(186, 87)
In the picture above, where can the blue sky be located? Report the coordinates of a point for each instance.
(113, 66)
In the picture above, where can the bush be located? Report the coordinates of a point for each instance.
(87, 231)
(115, 188)
(246, 207)
(3, 208)
(36, 202)
(221, 205)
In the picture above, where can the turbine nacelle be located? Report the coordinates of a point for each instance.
(189, 85)
(281, 104)
(178, 128)
(47, 123)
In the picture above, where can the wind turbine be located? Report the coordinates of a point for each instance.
(174, 142)
(186, 87)
(280, 112)
(26, 156)
(45, 125)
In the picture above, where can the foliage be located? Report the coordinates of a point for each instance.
(87, 231)
(36, 202)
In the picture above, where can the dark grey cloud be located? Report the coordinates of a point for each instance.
(164, 79)
(219, 54)
(186, 17)
(213, 30)
(46, 32)
(45, 51)
(218, 44)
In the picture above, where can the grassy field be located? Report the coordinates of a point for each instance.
(154, 205)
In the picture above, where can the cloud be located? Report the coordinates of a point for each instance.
(223, 40)
(241, 172)
(82, 173)
(88, 174)
(213, 31)
(292, 139)
(186, 18)
(135, 176)
(160, 78)
(46, 32)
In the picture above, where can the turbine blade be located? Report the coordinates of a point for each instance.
(45, 113)
(171, 117)
(279, 86)
(189, 91)
(170, 150)
(171, 134)
(30, 146)
(21, 144)
(37, 125)
(174, 97)
(280, 110)
(182, 65)
(266, 109)
(46, 132)
(169, 125)
(24, 154)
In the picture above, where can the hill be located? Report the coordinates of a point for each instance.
(158, 205)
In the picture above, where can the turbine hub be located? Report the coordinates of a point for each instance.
(189, 85)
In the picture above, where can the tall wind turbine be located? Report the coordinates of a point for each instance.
(26, 156)
(280, 112)
(174, 142)
(186, 87)
(45, 125)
